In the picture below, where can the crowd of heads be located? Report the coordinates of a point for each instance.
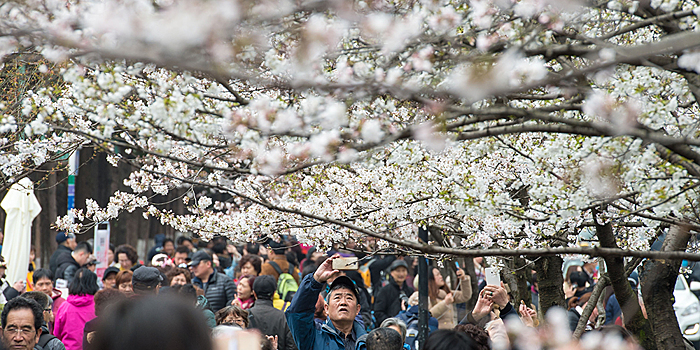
(157, 304)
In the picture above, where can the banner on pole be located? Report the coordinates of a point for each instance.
(101, 248)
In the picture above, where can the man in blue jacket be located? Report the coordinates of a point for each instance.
(340, 331)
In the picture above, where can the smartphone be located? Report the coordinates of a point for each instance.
(345, 263)
(236, 339)
(492, 276)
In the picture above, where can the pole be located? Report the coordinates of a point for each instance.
(423, 330)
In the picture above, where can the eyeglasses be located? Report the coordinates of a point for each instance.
(48, 309)
(22, 331)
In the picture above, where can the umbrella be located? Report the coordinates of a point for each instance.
(21, 207)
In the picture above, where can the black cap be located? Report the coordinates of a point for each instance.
(579, 278)
(345, 282)
(146, 277)
(264, 286)
(199, 257)
(62, 237)
(109, 270)
(398, 263)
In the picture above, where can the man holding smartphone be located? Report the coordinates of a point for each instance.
(340, 331)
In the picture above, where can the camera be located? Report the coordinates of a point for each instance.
(404, 300)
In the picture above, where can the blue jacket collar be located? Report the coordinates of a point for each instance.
(357, 329)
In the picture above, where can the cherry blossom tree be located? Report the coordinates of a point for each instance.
(507, 127)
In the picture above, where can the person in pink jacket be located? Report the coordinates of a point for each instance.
(78, 309)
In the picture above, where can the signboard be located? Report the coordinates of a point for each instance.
(101, 248)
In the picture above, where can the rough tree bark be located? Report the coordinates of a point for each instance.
(629, 302)
(550, 282)
(469, 269)
(517, 276)
(603, 282)
(658, 280)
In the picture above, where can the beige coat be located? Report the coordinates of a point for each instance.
(445, 313)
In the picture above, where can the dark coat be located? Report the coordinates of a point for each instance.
(53, 261)
(270, 321)
(375, 271)
(387, 303)
(219, 290)
(67, 267)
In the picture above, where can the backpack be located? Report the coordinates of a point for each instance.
(44, 339)
(286, 285)
(412, 332)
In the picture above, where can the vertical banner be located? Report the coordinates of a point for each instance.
(73, 160)
(101, 248)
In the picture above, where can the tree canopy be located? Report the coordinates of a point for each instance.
(501, 123)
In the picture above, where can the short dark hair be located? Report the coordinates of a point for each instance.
(219, 248)
(446, 339)
(188, 291)
(182, 249)
(168, 240)
(276, 247)
(152, 323)
(384, 339)
(84, 283)
(182, 239)
(105, 298)
(83, 247)
(129, 251)
(292, 258)
(254, 260)
(19, 303)
(252, 248)
(41, 298)
(42, 273)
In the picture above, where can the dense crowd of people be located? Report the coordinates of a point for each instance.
(273, 295)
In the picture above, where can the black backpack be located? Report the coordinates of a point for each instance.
(44, 339)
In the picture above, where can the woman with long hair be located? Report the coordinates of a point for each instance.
(442, 300)
(78, 309)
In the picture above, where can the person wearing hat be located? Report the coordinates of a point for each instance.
(109, 278)
(388, 301)
(146, 280)
(341, 330)
(265, 317)
(66, 244)
(218, 288)
(277, 262)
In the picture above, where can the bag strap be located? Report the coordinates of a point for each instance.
(44, 339)
(251, 320)
(276, 267)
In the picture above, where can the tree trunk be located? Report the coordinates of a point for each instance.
(550, 283)
(517, 275)
(469, 269)
(658, 280)
(629, 302)
(523, 275)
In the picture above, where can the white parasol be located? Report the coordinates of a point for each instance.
(21, 207)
